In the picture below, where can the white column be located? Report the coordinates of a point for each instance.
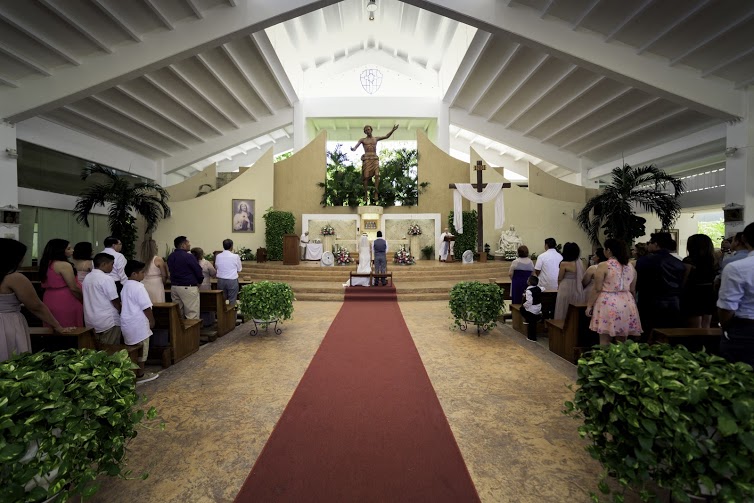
(8, 166)
(582, 177)
(443, 127)
(739, 166)
(299, 127)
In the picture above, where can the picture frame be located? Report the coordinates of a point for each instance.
(242, 215)
(673, 233)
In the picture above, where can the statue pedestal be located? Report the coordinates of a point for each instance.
(327, 243)
(369, 220)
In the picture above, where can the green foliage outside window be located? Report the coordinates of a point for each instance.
(277, 224)
(715, 231)
(467, 240)
(399, 185)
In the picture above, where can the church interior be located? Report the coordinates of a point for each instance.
(236, 107)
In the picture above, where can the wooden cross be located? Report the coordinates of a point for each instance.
(479, 186)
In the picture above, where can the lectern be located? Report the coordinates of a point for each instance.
(449, 240)
(290, 249)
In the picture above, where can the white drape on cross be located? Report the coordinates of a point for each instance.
(490, 192)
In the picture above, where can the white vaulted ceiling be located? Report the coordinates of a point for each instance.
(569, 84)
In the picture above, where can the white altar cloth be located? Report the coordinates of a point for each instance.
(313, 251)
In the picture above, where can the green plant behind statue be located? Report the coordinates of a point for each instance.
(613, 210)
(127, 200)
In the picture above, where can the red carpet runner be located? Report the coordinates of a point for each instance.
(364, 423)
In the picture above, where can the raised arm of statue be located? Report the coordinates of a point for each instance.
(389, 134)
(353, 149)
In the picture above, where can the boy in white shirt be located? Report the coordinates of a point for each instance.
(532, 307)
(101, 302)
(136, 319)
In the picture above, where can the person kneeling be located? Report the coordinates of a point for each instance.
(136, 318)
(532, 308)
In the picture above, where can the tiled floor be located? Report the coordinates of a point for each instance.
(502, 395)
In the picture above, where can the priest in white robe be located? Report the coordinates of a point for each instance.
(446, 247)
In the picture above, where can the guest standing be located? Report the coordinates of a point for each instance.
(547, 266)
(698, 297)
(519, 271)
(611, 305)
(16, 289)
(209, 272)
(82, 260)
(113, 246)
(136, 318)
(228, 265)
(735, 306)
(588, 279)
(185, 278)
(101, 302)
(156, 272)
(570, 275)
(62, 290)
(379, 252)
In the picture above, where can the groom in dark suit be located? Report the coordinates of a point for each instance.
(379, 252)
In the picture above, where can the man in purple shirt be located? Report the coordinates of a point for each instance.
(185, 278)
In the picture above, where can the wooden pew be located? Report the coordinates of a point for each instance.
(376, 276)
(225, 314)
(517, 321)
(183, 335)
(569, 337)
(505, 286)
(693, 338)
(46, 339)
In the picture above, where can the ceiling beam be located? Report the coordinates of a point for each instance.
(469, 63)
(743, 83)
(158, 50)
(270, 56)
(537, 65)
(192, 85)
(195, 9)
(115, 18)
(229, 140)
(587, 88)
(727, 62)
(547, 90)
(504, 63)
(712, 37)
(669, 148)
(249, 76)
(225, 84)
(682, 86)
(546, 9)
(7, 82)
(672, 26)
(630, 17)
(584, 14)
(160, 15)
(515, 139)
(599, 106)
(24, 59)
(167, 92)
(40, 38)
(75, 24)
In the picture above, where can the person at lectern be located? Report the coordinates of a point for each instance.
(370, 162)
(446, 247)
(304, 242)
(379, 252)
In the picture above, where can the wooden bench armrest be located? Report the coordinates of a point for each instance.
(556, 323)
(190, 323)
(49, 331)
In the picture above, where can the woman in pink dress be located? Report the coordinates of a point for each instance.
(62, 290)
(611, 303)
(156, 272)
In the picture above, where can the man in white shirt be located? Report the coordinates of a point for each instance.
(304, 242)
(113, 246)
(735, 306)
(228, 265)
(101, 302)
(548, 266)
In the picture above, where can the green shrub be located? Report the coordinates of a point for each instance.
(479, 303)
(467, 240)
(428, 251)
(663, 414)
(65, 418)
(277, 224)
(267, 300)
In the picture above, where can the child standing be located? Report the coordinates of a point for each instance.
(136, 319)
(532, 308)
(101, 302)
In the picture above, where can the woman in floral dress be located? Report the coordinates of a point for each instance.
(611, 303)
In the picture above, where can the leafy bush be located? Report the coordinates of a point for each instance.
(245, 254)
(65, 418)
(664, 414)
(428, 251)
(277, 224)
(467, 240)
(480, 303)
(267, 300)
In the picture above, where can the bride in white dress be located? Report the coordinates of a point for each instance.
(365, 263)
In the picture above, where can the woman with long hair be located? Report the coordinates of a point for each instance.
(588, 280)
(209, 272)
(82, 260)
(156, 272)
(62, 290)
(570, 289)
(611, 303)
(16, 289)
(698, 298)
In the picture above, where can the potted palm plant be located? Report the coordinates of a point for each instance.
(127, 200)
(613, 210)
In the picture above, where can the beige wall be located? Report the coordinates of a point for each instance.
(545, 185)
(207, 220)
(536, 218)
(188, 188)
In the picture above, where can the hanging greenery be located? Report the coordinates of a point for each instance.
(399, 186)
(126, 199)
(613, 210)
(467, 240)
(277, 224)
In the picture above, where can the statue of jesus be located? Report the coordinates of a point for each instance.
(370, 163)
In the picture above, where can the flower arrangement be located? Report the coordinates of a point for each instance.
(414, 230)
(509, 255)
(342, 256)
(328, 230)
(403, 257)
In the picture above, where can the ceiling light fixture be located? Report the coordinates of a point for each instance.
(372, 6)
